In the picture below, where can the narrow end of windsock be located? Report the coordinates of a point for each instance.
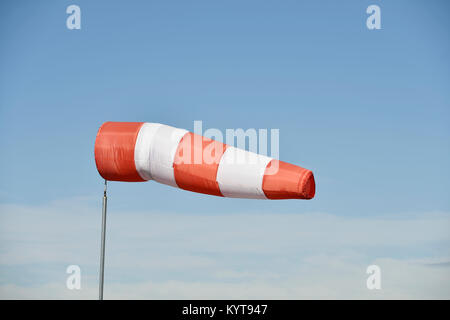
(114, 151)
(283, 180)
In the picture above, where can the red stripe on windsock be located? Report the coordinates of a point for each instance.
(196, 162)
(289, 181)
(114, 151)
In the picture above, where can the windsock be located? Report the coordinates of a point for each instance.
(138, 151)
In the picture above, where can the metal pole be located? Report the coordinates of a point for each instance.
(102, 249)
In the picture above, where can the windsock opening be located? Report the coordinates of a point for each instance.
(114, 151)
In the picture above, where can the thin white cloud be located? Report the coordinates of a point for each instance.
(170, 255)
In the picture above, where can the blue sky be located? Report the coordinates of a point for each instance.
(367, 110)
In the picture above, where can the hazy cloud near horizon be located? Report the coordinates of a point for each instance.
(157, 255)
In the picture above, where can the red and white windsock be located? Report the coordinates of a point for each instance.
(138, 151)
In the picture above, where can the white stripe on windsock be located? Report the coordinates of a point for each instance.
(144, 142)
(240, 174)
(163, 146)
